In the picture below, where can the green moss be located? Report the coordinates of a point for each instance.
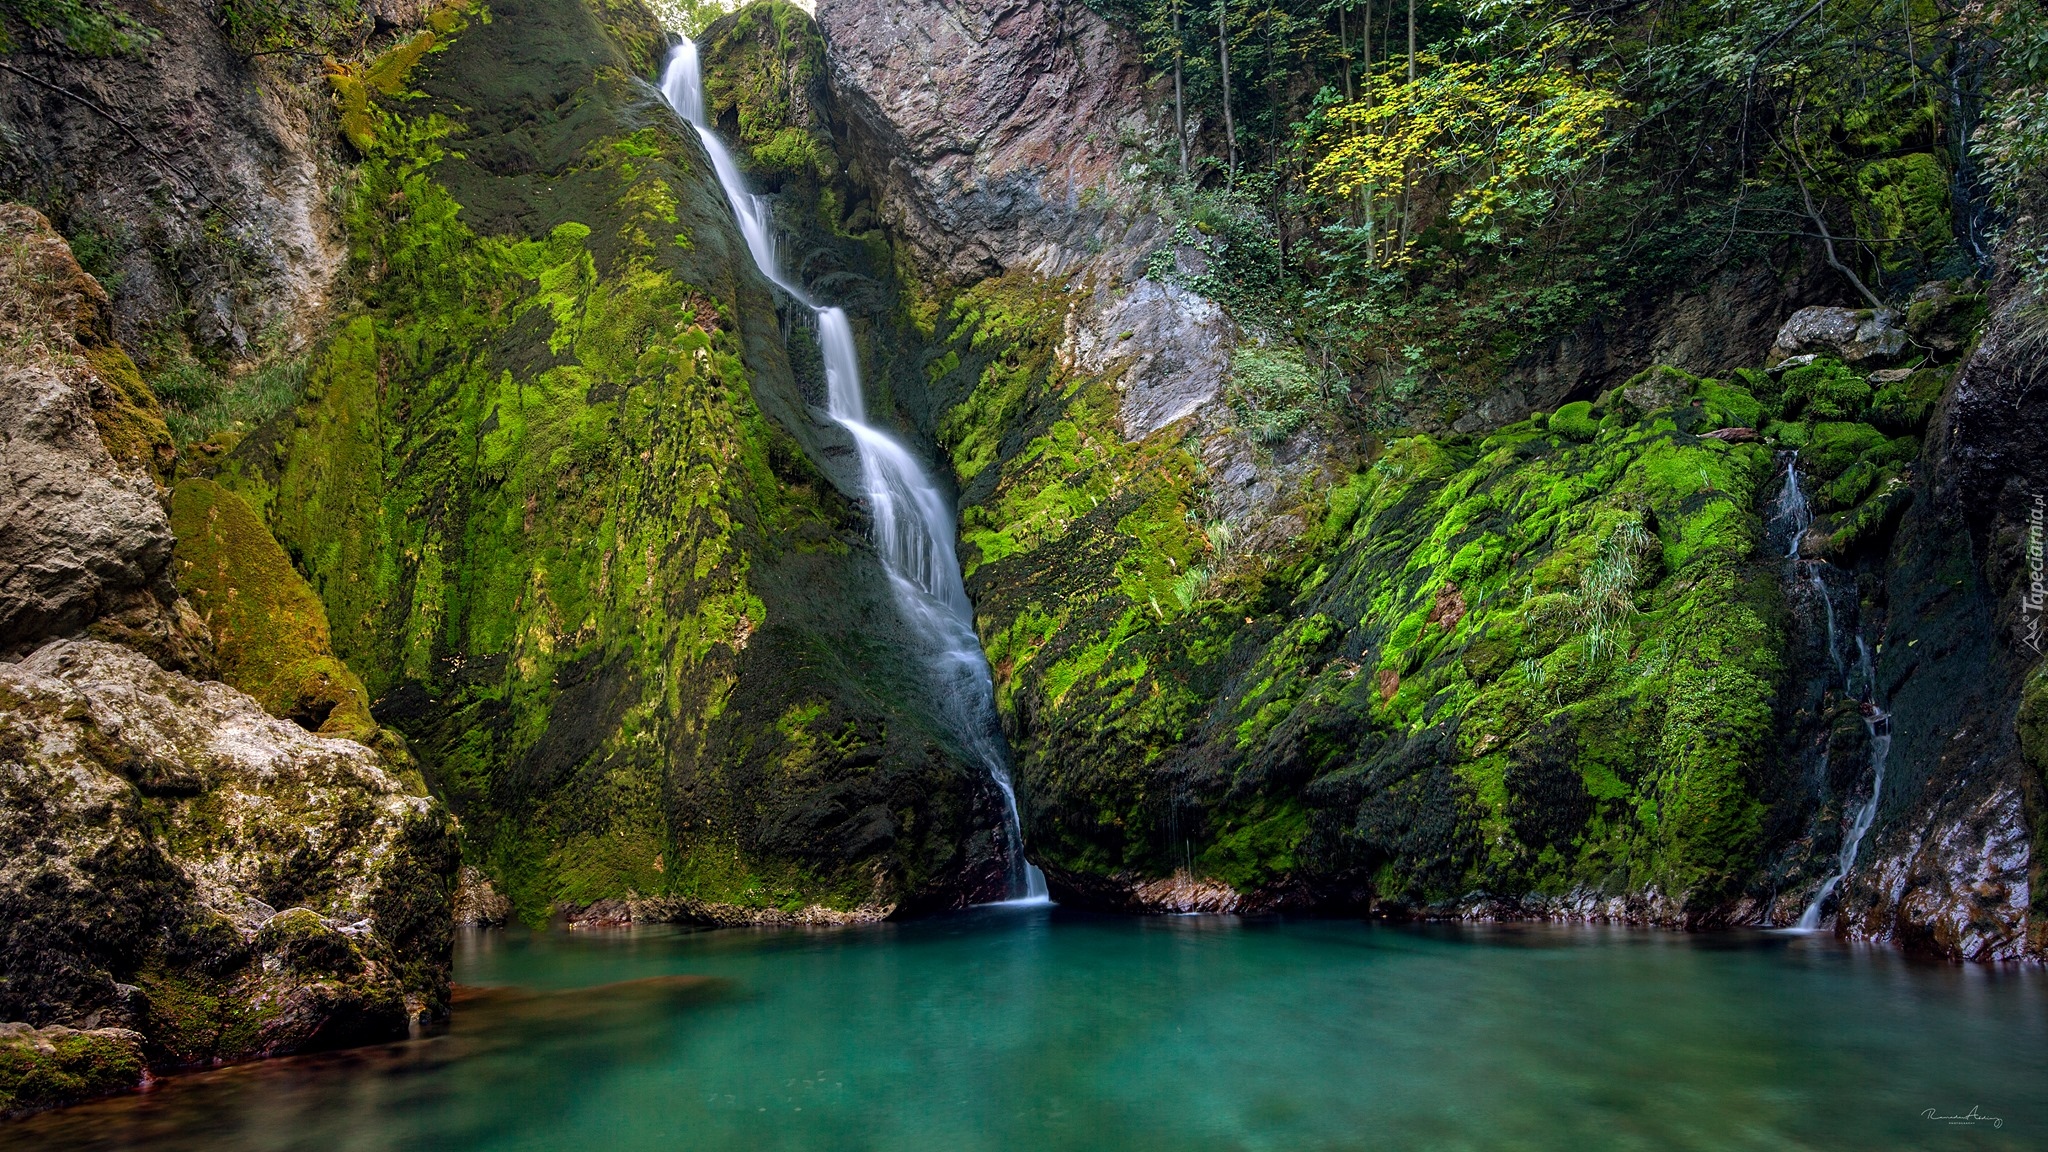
(61, 1066)
(1575, 421)
(1825, 390)
(1904, 406)
(270, 631)
(126, 413)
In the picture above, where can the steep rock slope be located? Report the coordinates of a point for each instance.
(187, 879)
(574, 521)
(1249, 658)
(189, 164)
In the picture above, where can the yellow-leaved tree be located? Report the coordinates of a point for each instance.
(1499, 140)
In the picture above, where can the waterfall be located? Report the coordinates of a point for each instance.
(1879, 724)
(1793, 509)
(913, 524)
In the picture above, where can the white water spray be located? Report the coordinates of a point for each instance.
(1793, 508)
(913, 525)
(1879, 723)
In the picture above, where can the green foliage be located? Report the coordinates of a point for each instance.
(1537, 164)
(80, 27)
(1274, 391)
(201, 403)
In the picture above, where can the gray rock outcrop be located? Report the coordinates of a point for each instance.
(83, 535)
(175, 861)
(1866, 338)
(998, 126)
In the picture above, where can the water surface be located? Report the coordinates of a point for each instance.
(1045, 1029)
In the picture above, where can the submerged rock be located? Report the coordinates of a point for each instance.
(176, 862)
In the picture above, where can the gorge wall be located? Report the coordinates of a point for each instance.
(408, 462)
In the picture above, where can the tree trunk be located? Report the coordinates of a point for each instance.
(1344, 44)
(1180, 118)
(1223, 51)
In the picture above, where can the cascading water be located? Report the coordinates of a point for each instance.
(1793, 509)
(913, 526)
(1879, 723)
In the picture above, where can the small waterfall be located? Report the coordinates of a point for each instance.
(1879, 723)
(913, 525)
(1792, 509)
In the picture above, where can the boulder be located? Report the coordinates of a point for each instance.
(1868, 338)
(226, 884)
(1944, 317)
(46, 1067)
(82, 531)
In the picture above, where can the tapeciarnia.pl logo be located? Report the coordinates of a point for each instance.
(2037, 573)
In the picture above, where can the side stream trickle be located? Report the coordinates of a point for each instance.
(913, 524)
(1793, 510)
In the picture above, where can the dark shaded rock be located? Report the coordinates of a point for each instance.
(46, 1067)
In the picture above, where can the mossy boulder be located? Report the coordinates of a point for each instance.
(1575, 421)
(1825, 390)
(1944, 317)
(46, 1067)
(270, 631)
(152, 826)
(1904, 402)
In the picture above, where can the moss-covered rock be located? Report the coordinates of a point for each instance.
(152, 827)
(270, 631)
(1544, 664)
(45, 1067)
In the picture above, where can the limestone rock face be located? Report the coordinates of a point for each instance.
(1171, 346)
(175, 861)
(999, 123)
(1865, 337)
(209, 199)
(82, 533)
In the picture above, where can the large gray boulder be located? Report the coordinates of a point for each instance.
(177, 862)
(1866, 337)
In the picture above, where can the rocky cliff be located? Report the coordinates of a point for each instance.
(188, 879)
(471, 456)
(1549, 665)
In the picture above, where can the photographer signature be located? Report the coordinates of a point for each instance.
(1972, 1117)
